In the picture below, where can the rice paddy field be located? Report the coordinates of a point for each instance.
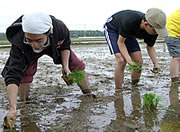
(54, 106)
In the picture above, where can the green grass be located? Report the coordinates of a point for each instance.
(137, 67)
(4, 42)
(150, 101)
(76, 76)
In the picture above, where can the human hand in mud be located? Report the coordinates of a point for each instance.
(156, 68)
(65, 75)
(9, 120)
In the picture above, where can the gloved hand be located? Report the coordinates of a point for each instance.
(9, 120)
(156, 68)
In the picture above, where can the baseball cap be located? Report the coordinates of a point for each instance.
(157, 18)
(36, 23)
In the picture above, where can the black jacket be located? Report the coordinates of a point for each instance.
(21, 54)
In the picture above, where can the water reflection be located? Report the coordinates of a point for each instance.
(171, 120)
(173, 96)
(123, 122)
(27, 123)
(150, 119)
(139, 119)
(78, 119)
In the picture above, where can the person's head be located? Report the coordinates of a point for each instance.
(155, 22)
(36, 26)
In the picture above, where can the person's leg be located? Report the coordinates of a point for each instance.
(174, 68)
(84, 86)
(23, 91)
(173, 45)
(76, 64)
(119, 70)
(27, 78)
(111, 36)
(136, 56)
(135, 75)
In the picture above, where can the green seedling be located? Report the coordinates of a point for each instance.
(136, 67)
(76, 76)
(150, 101)
(10, 123)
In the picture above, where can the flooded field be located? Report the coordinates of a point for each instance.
(54, 106)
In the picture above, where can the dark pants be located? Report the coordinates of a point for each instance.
(31, 70)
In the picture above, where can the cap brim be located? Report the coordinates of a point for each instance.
(162, 32)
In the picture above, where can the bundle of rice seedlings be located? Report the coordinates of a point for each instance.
(136, 67)
(76, 76)
(150, 101)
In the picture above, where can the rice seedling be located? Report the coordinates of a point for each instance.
(10, 123)
(150, 101)
(76, 76)
(136, 67)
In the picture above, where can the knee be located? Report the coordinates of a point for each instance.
(140, 62)
(120, 60)
(80, 66)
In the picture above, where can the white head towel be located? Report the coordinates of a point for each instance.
(36, 23)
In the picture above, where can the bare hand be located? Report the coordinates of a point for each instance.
(132, 63)
(66, 71)
(9, 120)
(156, 68)
(65, 75)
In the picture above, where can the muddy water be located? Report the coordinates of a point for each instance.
(57, 107)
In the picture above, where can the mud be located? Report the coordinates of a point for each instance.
(54, 106)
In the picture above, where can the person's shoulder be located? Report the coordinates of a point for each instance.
(175, 14)
(122, 12)
(14, 28)
(57, 21)
(132, 14)
(136, 13)
(59, 27)
(54, 18)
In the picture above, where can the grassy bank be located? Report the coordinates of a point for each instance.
(2, 42)
(87, 39)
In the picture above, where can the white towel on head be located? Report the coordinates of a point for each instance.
(36, 23)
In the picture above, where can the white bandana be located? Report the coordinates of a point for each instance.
(36, 23)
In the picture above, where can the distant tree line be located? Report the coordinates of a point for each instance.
(3, 36)
(85, 33)
(73, 34)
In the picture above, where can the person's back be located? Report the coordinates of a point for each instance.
(127, 22)
(173, 24)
